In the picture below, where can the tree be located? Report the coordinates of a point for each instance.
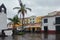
(22, 10)
(15, 20)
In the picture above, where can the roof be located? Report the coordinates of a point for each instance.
(3, 6)
(52, 14)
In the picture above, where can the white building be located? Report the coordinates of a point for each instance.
(32, 19)
(51, 22)
(3, 17)
(3, 20)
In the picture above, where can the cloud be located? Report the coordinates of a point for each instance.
(39, 7)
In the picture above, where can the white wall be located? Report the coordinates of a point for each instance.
(50, 24)
(3, 21)
(32, 19)
(9, 32)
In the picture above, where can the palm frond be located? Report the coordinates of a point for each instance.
(16, 8)
(19, 11)
(10, 19)
(28, 9)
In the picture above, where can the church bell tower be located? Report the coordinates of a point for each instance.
(3, 17)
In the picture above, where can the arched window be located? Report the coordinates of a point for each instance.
(2, 8)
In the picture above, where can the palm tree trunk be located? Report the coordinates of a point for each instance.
(23, 22)
(13, 29)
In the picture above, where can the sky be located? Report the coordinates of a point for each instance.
(39, 7)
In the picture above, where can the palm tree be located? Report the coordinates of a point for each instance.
(14, 20)
(22, 10)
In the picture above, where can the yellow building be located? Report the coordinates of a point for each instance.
(28, 20)
(38, 19)
(34, 23)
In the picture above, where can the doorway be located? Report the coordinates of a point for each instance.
(33, 29)
(57, 29)
(45, 29)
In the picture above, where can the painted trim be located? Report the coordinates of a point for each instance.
(49, 31)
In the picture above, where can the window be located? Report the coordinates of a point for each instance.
(2, 9)
(45, 20)
(33, 21)
(57, 20)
